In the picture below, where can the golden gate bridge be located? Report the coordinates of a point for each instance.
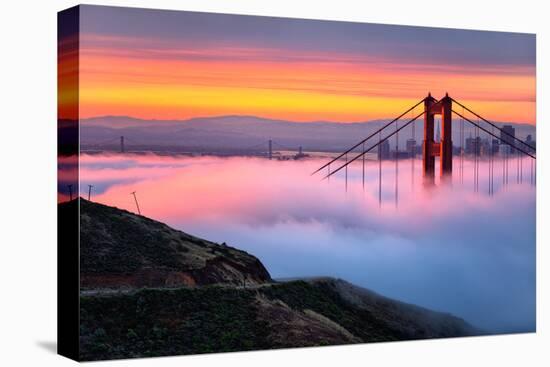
(443, 149)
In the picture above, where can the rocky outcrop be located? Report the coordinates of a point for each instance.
(119, 249)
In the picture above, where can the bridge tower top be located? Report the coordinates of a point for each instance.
(432, 148)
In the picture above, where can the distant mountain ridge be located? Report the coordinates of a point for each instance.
(235, 132)
(125, 121)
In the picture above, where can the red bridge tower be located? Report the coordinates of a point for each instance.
(431, 148)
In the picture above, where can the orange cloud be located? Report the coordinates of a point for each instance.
(178, 84)
(67, 78)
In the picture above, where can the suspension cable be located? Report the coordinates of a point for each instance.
(371, 135)
(487, 131)
(492, 124)
(375, 145)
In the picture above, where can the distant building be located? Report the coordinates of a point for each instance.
(504, 149)
(507, 135)
(384, 150)
(485, 147)
(411, 147)
(473, 145)
(469, 145)
(494, 146)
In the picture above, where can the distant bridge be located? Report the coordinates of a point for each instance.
(123, 144)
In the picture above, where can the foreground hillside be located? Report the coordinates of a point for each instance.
(157, 322)
(149, 290)
(120, 249)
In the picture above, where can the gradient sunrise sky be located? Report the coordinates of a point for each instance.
(156, 64)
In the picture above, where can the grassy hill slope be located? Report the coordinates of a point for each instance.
(149, 290)
(121, 249)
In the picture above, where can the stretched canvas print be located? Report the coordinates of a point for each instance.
(233, 183)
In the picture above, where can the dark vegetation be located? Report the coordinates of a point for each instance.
(377, 318)
(159, 322)
(170, 322)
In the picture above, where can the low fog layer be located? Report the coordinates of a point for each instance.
(444, 247)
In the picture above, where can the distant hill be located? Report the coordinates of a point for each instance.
(243, 132)
(149, 290)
